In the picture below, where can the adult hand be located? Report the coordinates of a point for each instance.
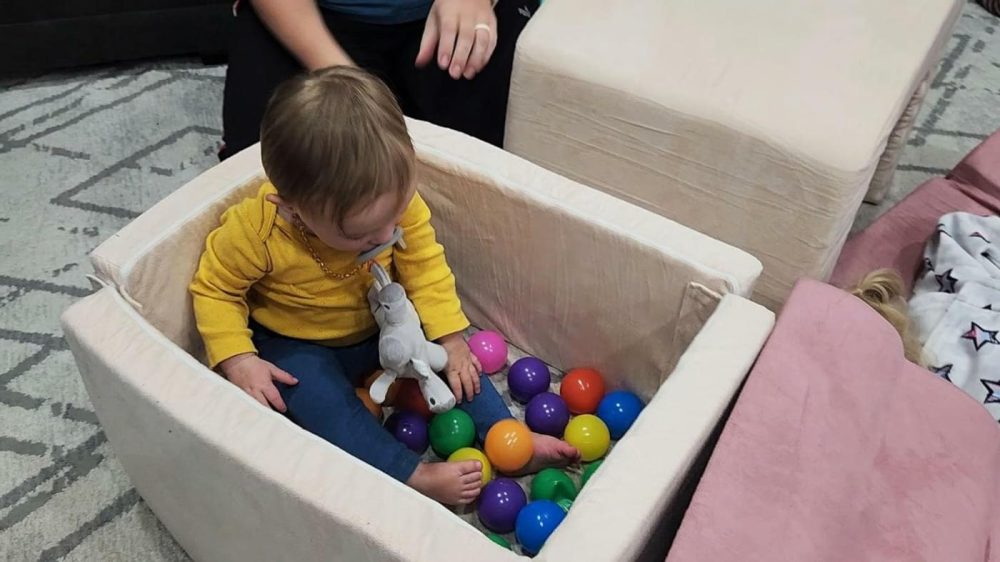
(464, 35)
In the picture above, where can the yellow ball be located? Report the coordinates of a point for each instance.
(470, 454)
(589, 435)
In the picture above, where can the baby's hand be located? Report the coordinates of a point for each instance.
(463, 367)
(254, 376)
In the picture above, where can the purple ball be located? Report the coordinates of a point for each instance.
(547, 413)
(410, 429)
(499, 503)
(527, 378)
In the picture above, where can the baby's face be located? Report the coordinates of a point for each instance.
(362, 229)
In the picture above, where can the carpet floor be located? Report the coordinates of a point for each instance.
(83, 153)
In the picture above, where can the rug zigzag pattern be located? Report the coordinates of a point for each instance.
(80, 156)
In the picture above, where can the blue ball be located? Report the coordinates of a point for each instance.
(536, 522)
(618, 410)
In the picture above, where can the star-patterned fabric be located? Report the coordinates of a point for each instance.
(956, 305)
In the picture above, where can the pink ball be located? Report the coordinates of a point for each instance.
(490, 349)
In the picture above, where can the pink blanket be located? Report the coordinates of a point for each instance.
(839, 449)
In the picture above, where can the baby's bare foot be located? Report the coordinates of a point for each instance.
(549, 452)
(451, 483)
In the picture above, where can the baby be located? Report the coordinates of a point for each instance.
(282, 306)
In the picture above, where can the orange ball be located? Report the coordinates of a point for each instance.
(508, 445)
(365, 396)
(366, 399)
(582, 389)
(409, 398)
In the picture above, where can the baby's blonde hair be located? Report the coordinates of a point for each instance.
(883, 290)
(334, 139)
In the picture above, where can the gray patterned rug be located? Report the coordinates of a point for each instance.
(83, 153)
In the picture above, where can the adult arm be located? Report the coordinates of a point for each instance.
(299, 26)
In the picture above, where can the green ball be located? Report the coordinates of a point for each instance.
(565, 504)
(451, 431)
(499, 540)
(552, 484)
(589, 471)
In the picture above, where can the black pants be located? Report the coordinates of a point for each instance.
(478, 107)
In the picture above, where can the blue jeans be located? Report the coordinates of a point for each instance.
(324, 402)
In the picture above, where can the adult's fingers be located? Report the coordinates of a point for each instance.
(446, 42)
(477, 59)
(274, 397)
(493, 42)
(463, 46)
(428, 42)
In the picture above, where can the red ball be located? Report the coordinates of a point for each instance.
(410, 399)
(582, 389)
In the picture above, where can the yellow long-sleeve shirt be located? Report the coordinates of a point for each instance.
(256, 266)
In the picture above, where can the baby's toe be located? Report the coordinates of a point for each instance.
(568, 451)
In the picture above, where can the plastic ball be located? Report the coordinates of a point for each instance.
(547, 413)
(451, 431)
(565, 504)
(619, 410)
(499, 503)
(370, 404)
(536, 522)
(409, 429)
(582, 389)
(527, 378)
(491, 350)
(508, 445)
(499, 540)
(470, 454)
(589, 435)
(589, 471)
(409, 397)
(552, 484)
